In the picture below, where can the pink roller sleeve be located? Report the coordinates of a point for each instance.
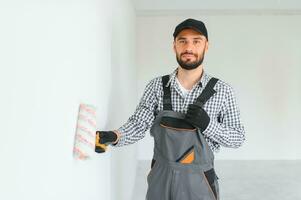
(84, 141)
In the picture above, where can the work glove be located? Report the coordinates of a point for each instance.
(197, 116)
(103, 139)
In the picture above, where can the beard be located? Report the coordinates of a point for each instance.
(188, 64)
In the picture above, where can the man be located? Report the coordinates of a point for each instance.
(190, 115)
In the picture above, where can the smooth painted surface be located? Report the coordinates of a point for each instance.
(55, 55)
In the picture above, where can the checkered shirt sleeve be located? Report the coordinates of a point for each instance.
(136, 126)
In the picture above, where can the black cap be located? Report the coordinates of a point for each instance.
(196, 25)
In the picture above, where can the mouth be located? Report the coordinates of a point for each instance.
(187, 54)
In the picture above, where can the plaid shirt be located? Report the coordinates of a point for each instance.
(224, 129)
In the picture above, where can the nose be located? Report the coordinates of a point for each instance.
(188, 46)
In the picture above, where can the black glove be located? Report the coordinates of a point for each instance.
(106, 137)
(197, 116)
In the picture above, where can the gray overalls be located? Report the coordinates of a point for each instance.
(183, 163)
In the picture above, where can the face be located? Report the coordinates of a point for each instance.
(190, 47)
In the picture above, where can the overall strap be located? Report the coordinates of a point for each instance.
(207, 92)
(167, 94)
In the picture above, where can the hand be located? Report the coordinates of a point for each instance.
(197, 116)
(107, 137)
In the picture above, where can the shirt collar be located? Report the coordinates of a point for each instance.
(201, 82)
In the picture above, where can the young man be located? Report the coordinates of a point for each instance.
(190, 115)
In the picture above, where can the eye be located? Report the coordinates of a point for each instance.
(196, 41)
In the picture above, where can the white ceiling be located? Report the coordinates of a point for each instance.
(185, 5)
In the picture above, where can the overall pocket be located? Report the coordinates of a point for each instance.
(211, 180)
(187, 157)
(151, 171)
(176, 124)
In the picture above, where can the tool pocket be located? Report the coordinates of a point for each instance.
(192, 185)
(176, 124)
(187, 157)
(212, 183)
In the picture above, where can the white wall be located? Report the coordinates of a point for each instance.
(54, 55)
(259, 55)
(123, 96)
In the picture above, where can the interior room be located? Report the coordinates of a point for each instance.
(56, 55)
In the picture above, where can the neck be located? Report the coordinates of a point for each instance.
(188, 78)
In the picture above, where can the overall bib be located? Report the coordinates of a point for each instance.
(183, 163)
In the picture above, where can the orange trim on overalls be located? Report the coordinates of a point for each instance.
(189, 158)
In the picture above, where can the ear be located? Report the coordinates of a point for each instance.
(206, 46)
(174, 46)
